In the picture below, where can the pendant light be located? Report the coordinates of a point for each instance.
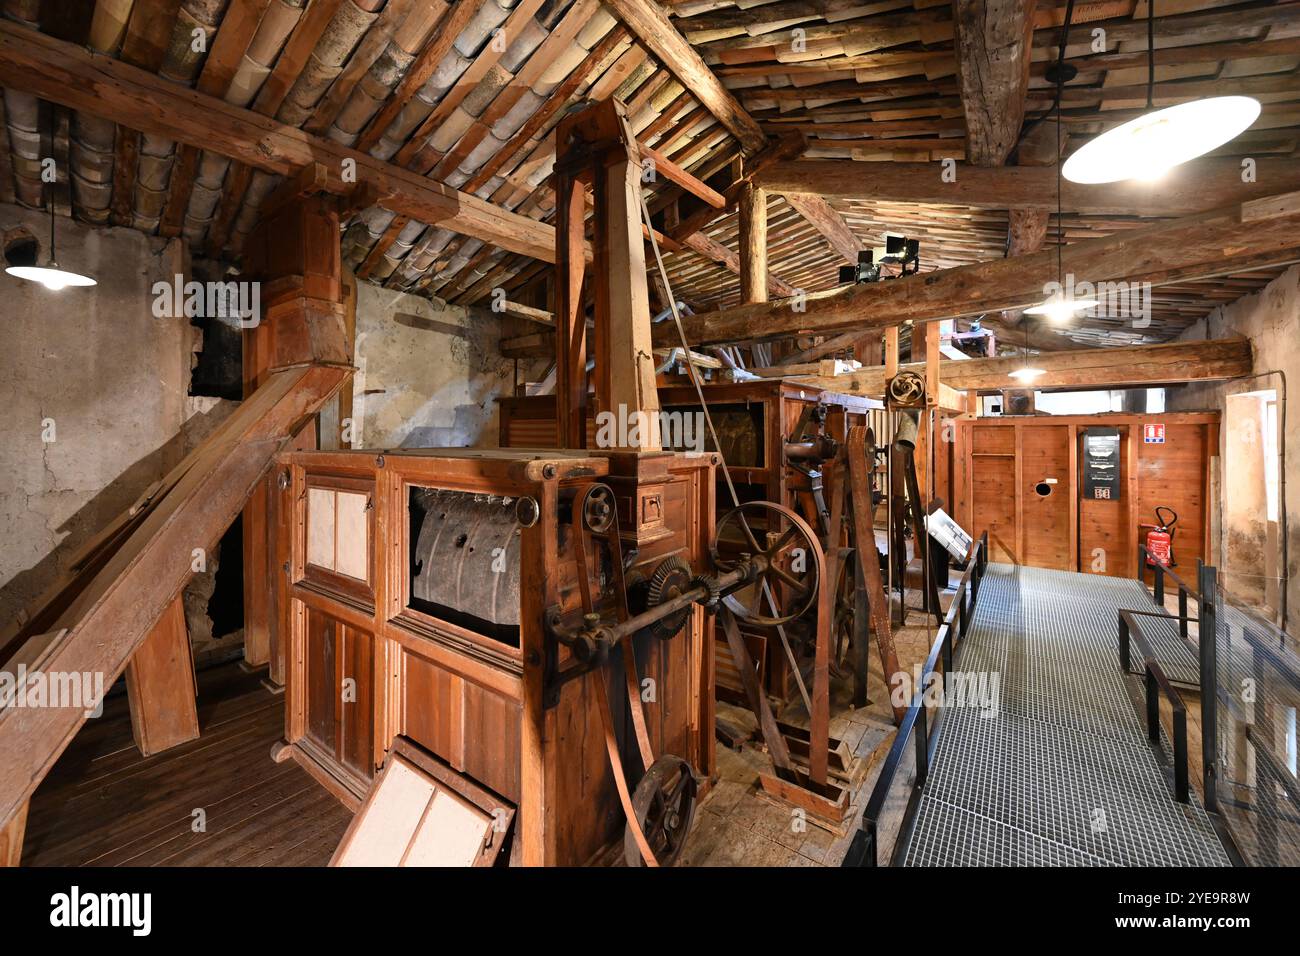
(1149, 146)
(1061, 306)
(48, 275)
(1026, 373)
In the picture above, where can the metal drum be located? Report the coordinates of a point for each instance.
(467, 553)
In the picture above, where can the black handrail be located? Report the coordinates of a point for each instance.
(1158, 587)
(863, 851)
(1156, 682)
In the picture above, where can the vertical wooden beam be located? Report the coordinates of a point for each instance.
(627, 379)
(1131, 441)
(160, 685)
(625, 374)
(570, 318)
(891, 352)
(753, 244)
(1072, 492)
(1020, 493)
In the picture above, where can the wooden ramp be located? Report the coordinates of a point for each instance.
(121, 584)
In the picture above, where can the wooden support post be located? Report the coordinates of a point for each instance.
(160, 685)
(11, 838)
(891, 352)
(753, 244)
(570, 318)
(625, 376)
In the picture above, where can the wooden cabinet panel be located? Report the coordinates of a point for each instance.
(339, 677)
(475, 730)
(1106, 542)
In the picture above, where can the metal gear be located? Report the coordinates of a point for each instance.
(672, 577)
(709, 584)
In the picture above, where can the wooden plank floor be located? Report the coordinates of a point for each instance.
(216, 801)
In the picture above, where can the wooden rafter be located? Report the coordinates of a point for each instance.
(1190, 188)
(65, 73)
(648, 22)
(1167, 364)
(993, 39)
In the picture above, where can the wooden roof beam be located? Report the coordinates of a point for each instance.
(1190, 188)
(651, 26)
(993, 40)
(1178, 250)
(1138, 365)
(65, 73)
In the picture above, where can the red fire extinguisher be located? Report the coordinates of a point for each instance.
(1160, 539)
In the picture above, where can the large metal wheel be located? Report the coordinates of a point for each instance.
(664, 802)
(790, 563)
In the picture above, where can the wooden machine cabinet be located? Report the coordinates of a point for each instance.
(756, 421)
(473, 680)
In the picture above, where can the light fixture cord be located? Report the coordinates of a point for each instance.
(1151, 53)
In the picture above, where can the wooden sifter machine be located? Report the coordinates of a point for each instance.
(507, 655)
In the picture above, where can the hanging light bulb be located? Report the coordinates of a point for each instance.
(1061, 308)
(1026, 373)
(1148, 147)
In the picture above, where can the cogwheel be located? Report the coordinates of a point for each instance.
(709, 584)
(671, 578)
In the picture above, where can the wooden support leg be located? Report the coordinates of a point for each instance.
(160, 685)
(11, 838)
(257, 595)
(776, 747)
(864, 533)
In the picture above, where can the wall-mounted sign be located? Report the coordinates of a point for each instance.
(1154, 433)
(1101, 471)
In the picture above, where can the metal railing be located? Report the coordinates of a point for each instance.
(1156, 682)
(915, 742)
(1160, 572)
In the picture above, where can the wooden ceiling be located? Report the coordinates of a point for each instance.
(468, 94)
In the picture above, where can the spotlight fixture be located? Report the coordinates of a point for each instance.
(897, 251)
(1149, 146)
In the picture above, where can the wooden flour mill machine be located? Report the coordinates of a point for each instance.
(530, 632)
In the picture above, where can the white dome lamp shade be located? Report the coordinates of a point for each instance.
(50, 276)
(1149, 146)
(22, 264)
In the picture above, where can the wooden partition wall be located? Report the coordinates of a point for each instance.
(1021, 479)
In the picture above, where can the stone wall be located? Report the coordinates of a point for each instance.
(94, 390)
(428, 373)
(1270, 319)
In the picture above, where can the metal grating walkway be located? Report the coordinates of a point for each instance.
(1061, 774)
